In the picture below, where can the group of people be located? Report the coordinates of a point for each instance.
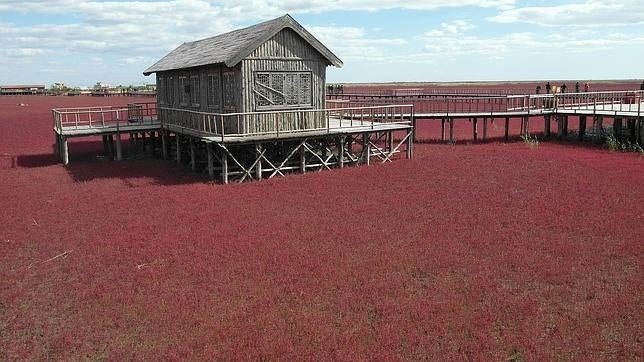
(563, 88)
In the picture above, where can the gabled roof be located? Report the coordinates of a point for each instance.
(230, 48)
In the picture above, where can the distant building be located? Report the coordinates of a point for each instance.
(28, 89)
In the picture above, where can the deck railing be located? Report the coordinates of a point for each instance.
(622, 101)
(104, 116)
(289, 122)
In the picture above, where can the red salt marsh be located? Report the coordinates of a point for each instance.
(481, 251)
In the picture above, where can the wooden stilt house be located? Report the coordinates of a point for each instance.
(269, 67)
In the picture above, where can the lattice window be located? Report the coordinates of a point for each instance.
(184, 89)
(229, 89)
(213, 90)
(195, 91)
(282, 90)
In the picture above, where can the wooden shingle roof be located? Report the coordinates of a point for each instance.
(230, 48)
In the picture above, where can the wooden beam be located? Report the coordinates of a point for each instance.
(178, 139)
(546, 126)
(366, 148)
(451, 130)
(211, 169)
(258, 164)
(164, 144)
(341, 140)
(507, 129)
(617, 128)
(193, 155)
(119, 151)
(599, 120)
(484, 129)
(582, 127)
(65, 151)
(224, 166)
(475, 131)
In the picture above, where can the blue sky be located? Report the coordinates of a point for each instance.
(82, 42)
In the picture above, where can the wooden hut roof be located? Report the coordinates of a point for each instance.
(230, 48)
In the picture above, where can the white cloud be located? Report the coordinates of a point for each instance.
(353, 43)
(589, 13)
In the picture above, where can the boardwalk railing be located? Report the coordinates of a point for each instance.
(104, 116)
(618, 101)
(282, 123)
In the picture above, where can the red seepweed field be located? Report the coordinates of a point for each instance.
(477, 251)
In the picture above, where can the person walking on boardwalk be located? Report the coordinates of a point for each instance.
(586, 87)
(538, 89)
(563, 88)
(577, 87)
(642, 86)
(548, 87)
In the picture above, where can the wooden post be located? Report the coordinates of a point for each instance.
(341, 140)
(410, 146)
(178, 138)
(484, 129)
(582, 127)
(565, 125)
(390, 142)
(507, 129)
(65, 151)
(56, 145)
(193, 156)
(119, 151)
(106, 149)
(137, 146)
(302, 158)
(599, 120)
(560, 131)
(366, 148)
(258, 165)
(164, 144)
(632, 130)
(546, 126)
(617, 128)
(475, 128)
(110, 145)
(451, 130)
(442, 129)
(224, 166)
(211, 169)
(527, 125)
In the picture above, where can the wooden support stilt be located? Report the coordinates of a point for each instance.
(178, 139)
(582, 127)
(65, 151)
(56, 145)
(341, 140)
(119, 151)
(599, 120)
(193, 155)
(302, 159)
(475, 130)
(390, 142)
(366, 148)
(258, 165)
(560, 131)
(527, 125)
(565, 126)
(211, 169)
(507, 129)
(442, 129)
(110, 146)
(224, 166)
(632, 130)
(484, 129)
(106, 149)
(410, 146)
(451, 130)
(137, 144)
(546, 126)
(617, 128)
(164, 145)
